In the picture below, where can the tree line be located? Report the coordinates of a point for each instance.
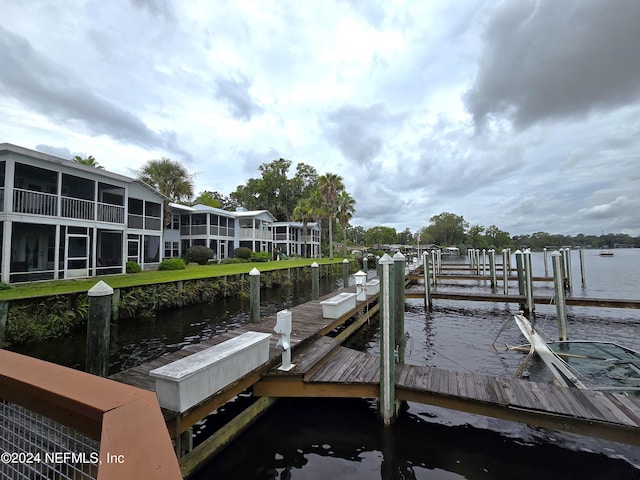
(308, 197)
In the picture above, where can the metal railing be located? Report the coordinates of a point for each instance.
(56, 422)
(34, 446)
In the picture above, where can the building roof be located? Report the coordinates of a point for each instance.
(27, 152)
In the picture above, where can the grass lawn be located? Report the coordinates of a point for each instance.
(55, 287)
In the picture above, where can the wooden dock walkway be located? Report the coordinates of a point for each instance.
(350, 373)
(308, 325)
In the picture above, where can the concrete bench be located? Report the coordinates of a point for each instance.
(188, 381)
(338, 305)
(373, 286)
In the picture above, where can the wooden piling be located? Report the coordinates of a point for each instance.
(345, 273)
(561, 307)
(98, 329)
(254, 295)
(427, 282)
(492, 269)
(582, 277)
(528, 281)
(505, 271)
(387, 343)
(399, 263)
(4, 313)
(315, 281)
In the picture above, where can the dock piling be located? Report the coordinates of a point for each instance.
(492, 269)
(345, 273)
(98, 329)
(399, 263)
(561, 307)
(427, 282)
(505, 270)
(528, 281)
(581, 252)
(254, 292)
(315, 281)
(387, 342)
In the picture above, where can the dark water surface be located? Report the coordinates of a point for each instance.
(342, 438)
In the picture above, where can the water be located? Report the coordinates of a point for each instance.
(342, 438)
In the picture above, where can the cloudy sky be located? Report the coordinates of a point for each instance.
(522, 114)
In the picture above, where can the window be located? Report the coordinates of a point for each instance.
(151, 249)
(171, 249)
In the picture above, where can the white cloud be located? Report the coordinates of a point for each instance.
(387, 94)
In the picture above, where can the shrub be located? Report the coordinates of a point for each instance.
(133, 267)
(172, 264)
(242, 252)
(4, 286)
(199, 254)
(228, 260)
(260, 256)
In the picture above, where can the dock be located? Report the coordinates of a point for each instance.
(325, 368)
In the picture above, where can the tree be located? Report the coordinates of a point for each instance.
(447, 228)
(89, 161)
(169, 178)
(329, 187)
(474, 236)
(346, 207)
(274, 191)
(304, 213)
(356, 235)
(215, 200)
(380, 236)
(405, 237)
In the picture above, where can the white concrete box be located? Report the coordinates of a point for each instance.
(186, 382)
(373, 286)
(338, 305)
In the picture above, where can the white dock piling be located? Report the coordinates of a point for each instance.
(387, 343)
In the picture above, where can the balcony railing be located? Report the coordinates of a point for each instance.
(135, 221)
(153, 223)
(110, 213)
(250, 233)
(77, 208)
(37, 203)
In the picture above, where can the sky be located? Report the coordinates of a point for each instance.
(521, 114)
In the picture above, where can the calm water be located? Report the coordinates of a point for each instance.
(308, 439)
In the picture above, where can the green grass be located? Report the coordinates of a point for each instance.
(58, 287)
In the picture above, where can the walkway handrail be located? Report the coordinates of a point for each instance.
(127, 421)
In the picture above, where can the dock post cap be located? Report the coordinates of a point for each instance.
(555, 253)
(100, 289)
(345, 261)
(254, 271)
(398, 257)
(386, 259)
(518, 252)
(314, 265)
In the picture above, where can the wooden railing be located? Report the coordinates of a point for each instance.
(133, 439)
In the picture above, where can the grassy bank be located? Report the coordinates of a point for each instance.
(148, 277)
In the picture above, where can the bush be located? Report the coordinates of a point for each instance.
(4, 286)
(172, 264)
(199, 254)
(228, 260)
(133, 267)
(242, 252)
(260, 256)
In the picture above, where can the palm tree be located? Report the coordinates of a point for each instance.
(169, 178)
(346, 207)
(329, 186)
(89, 161)
(303, 212)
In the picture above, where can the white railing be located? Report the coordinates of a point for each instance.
(250, 233)
(26, 201)
(221, 231)
(77, 208)
(110, 213)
